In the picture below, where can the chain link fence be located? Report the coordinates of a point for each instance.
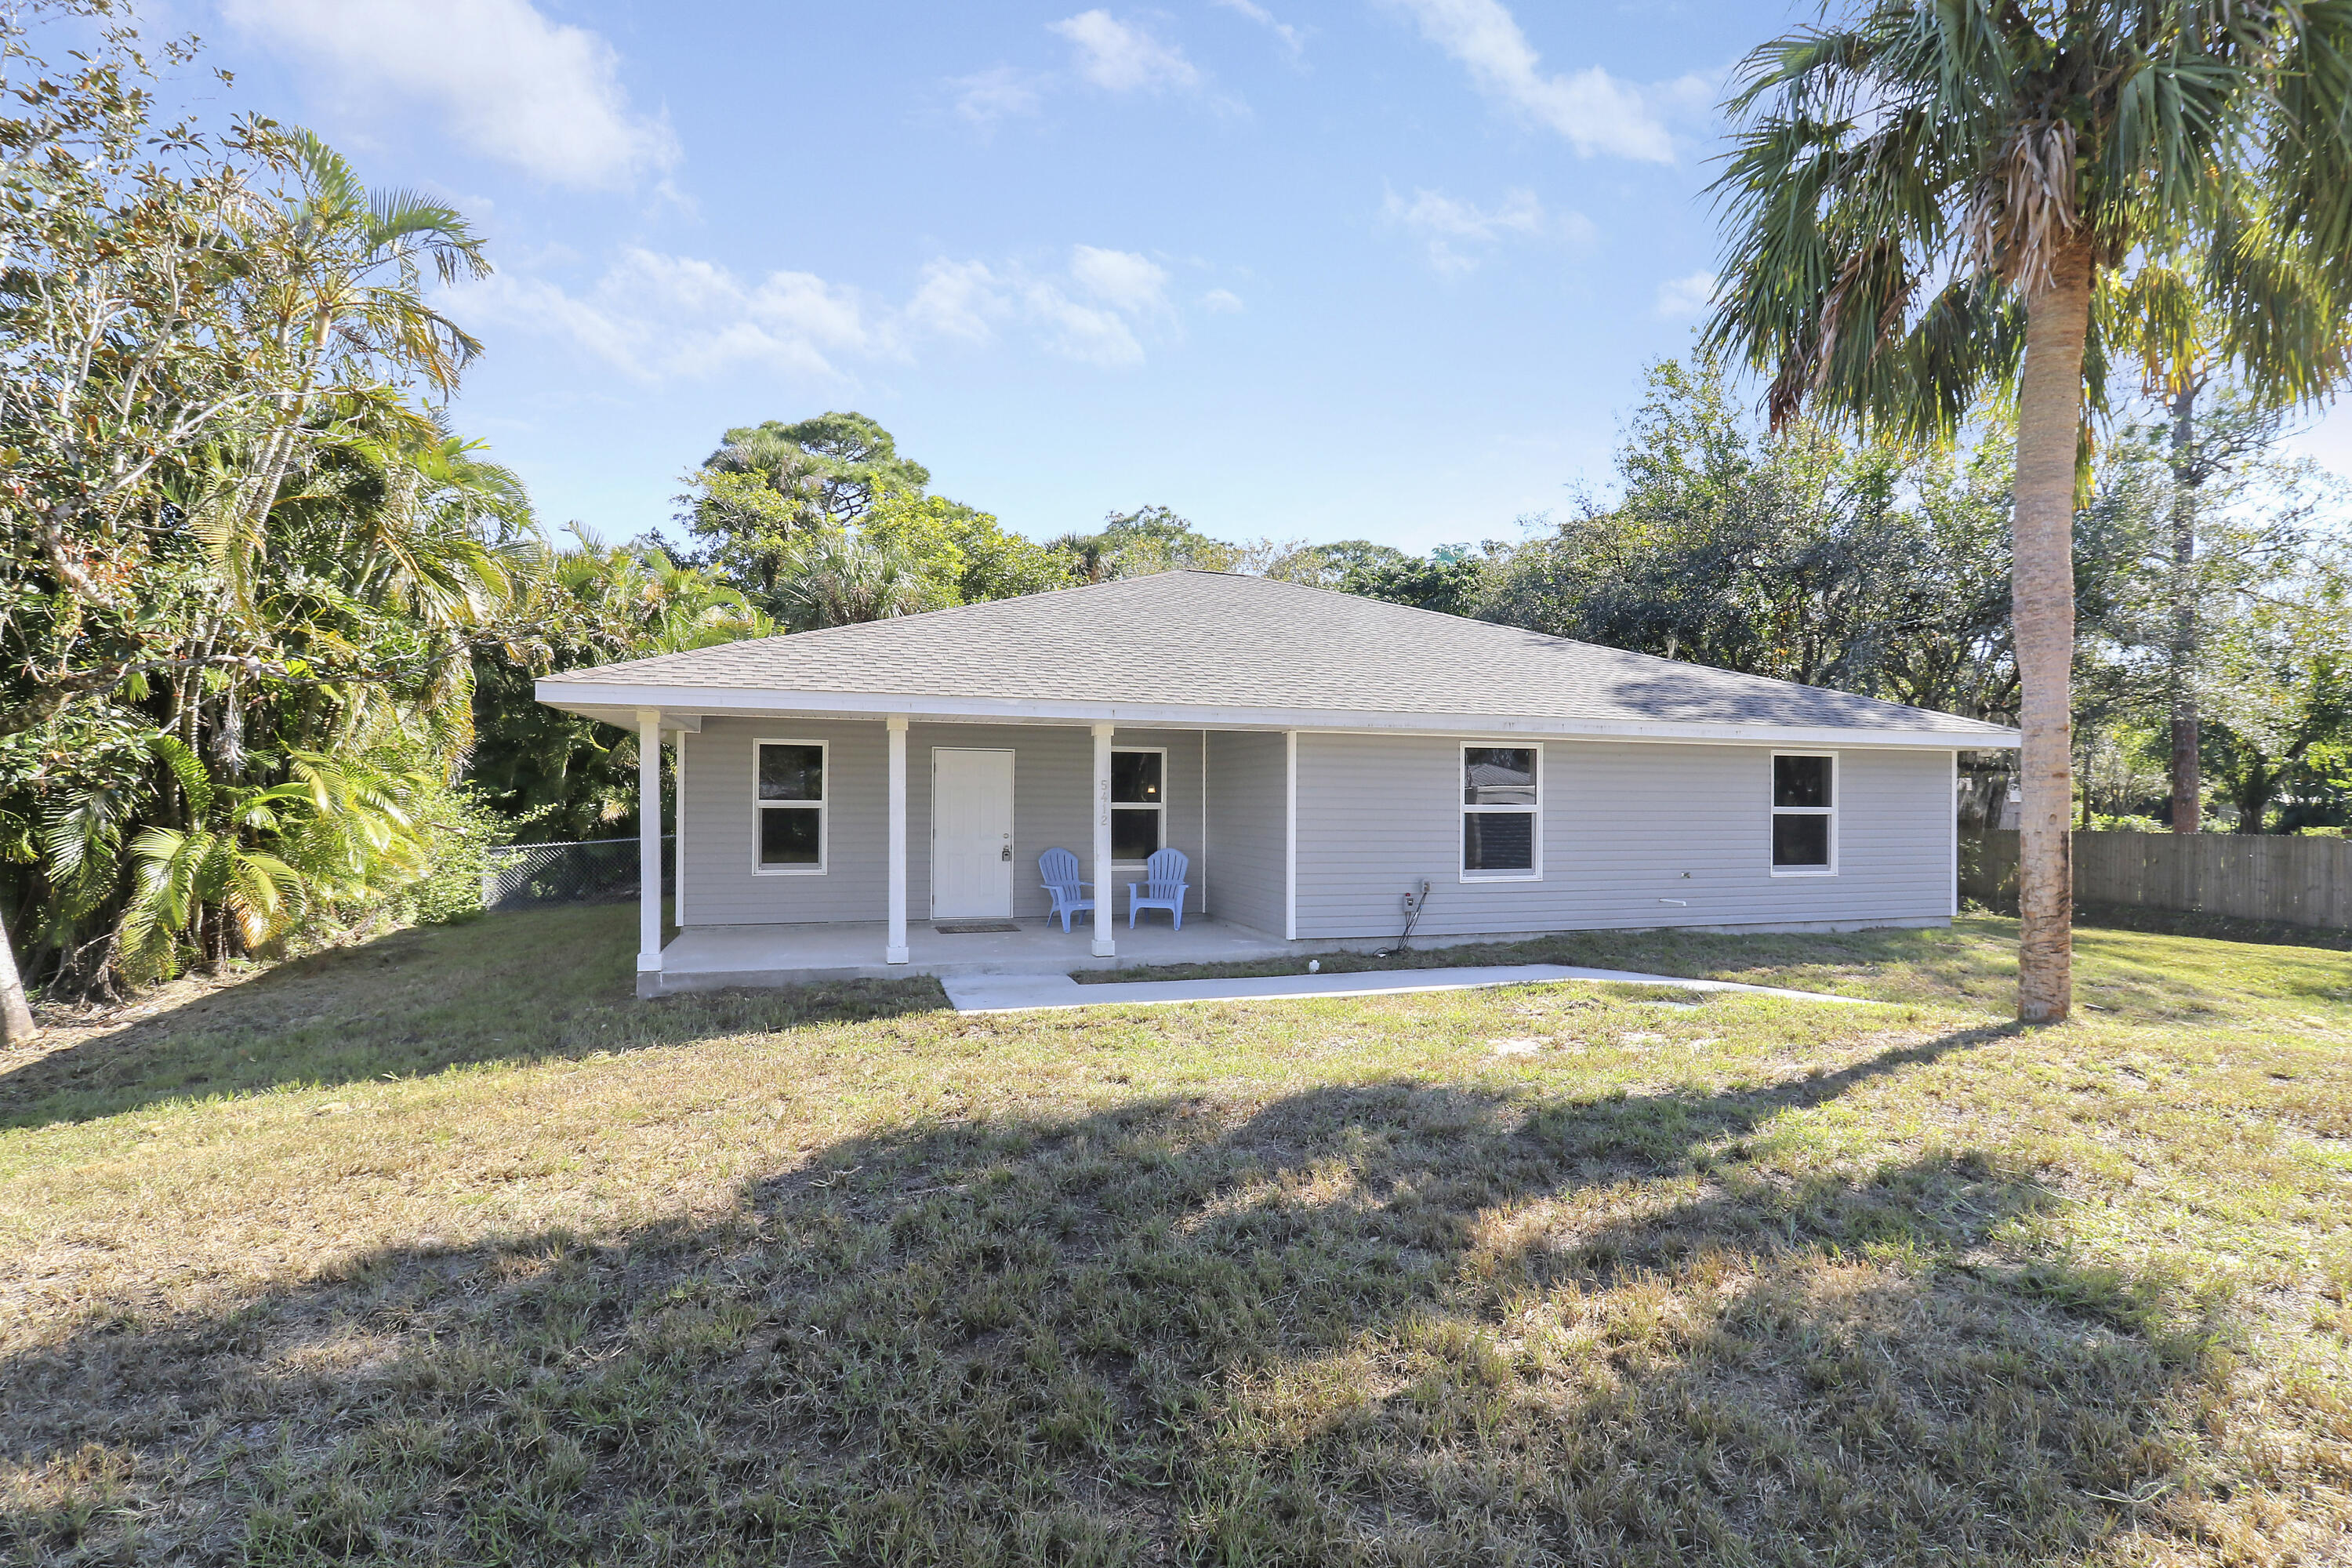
(517, 876)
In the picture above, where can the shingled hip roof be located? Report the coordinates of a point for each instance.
(1223, 650)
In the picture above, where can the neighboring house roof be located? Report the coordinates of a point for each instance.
(1217, 649)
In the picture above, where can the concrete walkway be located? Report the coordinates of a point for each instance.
(1020, 992)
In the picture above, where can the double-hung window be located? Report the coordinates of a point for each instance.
(789, 793)
(1804, 814)
(1502, 813)
(1138, 803)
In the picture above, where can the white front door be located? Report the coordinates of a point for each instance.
(971, 833)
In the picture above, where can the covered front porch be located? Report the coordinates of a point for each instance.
(825, 847)
(712, 958)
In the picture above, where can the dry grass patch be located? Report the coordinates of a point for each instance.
(467, 1258)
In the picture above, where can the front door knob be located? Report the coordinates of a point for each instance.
(1008, 853)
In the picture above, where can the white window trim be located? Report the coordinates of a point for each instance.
(1160, 805)
(1461, 762)
(823, 810)
(1837, 794)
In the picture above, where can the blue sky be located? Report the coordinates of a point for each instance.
(1381, 269)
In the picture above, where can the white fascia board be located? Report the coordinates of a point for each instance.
(618, 703)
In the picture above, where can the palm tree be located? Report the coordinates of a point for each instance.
(339, 299)
(837, 577)
(1923, 203)
(338, 831)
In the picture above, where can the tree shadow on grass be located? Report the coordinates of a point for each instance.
(1396, 1324)
(545, 984)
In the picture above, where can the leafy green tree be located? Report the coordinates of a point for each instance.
(1450, 579)
(769, 482)
(1924, 202)
(2281, 700)
(233, 542)
(2215, 521)
(1139, 543)
(1876, 568)
(556, 776)
(966, 554)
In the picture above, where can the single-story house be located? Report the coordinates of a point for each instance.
(844, 794)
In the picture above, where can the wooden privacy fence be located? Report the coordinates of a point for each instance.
(2262, 876)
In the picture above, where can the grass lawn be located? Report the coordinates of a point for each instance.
(444, 1249)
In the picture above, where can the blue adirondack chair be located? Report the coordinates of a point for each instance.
(1163, 887)
(1059, 869)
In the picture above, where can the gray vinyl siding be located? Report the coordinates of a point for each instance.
(1247, 831)
(1181, 830)
(1626, 827)
(1052, 784)
(721, 839)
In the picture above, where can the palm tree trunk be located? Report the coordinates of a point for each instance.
(2187, 781)
(15, 1015)
(2049, 433)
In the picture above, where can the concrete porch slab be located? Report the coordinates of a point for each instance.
(713, 957)
(1022, 993)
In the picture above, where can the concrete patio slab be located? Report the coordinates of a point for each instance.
(1023, 993)
(711, 958)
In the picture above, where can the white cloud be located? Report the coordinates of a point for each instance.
(1682, 296)
(959, 300)
(1120, 58)
(1596, 112)
(992, 95)
(1456, 230)
(1089, 333)
(1121, 278)
(1292, 39)
(510, 83)
(1224, 301)
(657, 318)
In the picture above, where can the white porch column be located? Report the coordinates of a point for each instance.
(1104, 946)
(1290, 835)
(896, 953)
(649, 837)
(677, 828)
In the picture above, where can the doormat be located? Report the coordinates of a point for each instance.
(971, 928)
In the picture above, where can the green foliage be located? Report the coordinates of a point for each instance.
(1871, 567)
(769, 484)
(821, 522)
(2229, 579)
(2281, 743)
(1450, 580)
(1901, 178)
(558, 777)
(244, 572)
(966, 554)
(458, 828)
(1140, 542)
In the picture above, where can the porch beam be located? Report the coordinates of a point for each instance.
(1104, 946)
(896, 952)
(649, 837)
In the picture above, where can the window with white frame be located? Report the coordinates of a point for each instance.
(1139, 803)
(788, 790)
(1804, 814)
(1502, 813)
